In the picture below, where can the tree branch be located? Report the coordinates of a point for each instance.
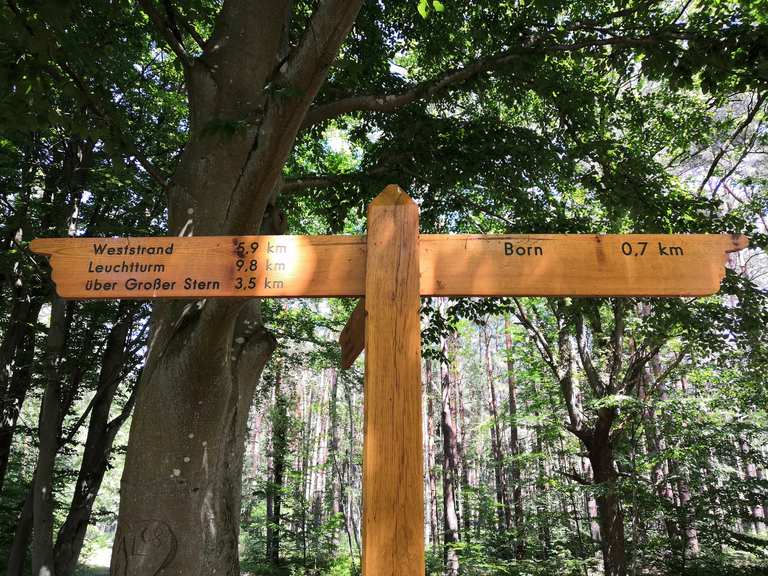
(293, 86)
(635, 368)
(298, 184)
(617, 340)
(746, 152)
(576, 477)
(169, 32)
(194, 34)
(327, 29)
(540, 341)
(575, 415)
(739, 129)
(592, 376)
(429, 88)
(679, 357)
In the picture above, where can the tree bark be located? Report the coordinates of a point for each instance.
(350, 460)
(654, 446)
(542, 522)
(686, 527)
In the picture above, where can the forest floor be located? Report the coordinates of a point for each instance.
(96, 563)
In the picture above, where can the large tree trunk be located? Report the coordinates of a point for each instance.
(180, 494)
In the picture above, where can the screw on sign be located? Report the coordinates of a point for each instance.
(391, 268)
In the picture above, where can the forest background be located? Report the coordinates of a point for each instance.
(561, 436)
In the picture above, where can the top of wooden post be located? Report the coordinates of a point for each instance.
(392, 195)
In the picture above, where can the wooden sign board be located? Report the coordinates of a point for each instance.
(451, 265)
(391, 267)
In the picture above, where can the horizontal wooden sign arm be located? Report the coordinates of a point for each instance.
(575, 264)
(206, 266)
(451, 265)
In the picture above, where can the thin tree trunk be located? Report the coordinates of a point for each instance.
(304, 498)
(763, 503)
(332, 494)
(18, 552)
(20, 381)
(541, 496)
(450, 456)
(686, 515)
(571, 501)
(594, 519)
(502, 506)
(608, 504)
(48, 434)
(654, 447)
(430, 451)
(682, 496)
(17, 346)
(464, 464)
(750, 473)
(514, 445)
(275, 487)
(350, 467)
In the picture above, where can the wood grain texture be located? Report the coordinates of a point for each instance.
(393, 501)
(575, 264)
(352, 336)
(451, 265)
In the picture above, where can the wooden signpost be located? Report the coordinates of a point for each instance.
(392, 267)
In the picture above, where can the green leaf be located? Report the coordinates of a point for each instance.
(423, 8)
(438, 6)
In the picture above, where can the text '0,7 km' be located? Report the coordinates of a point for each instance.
(450, 265)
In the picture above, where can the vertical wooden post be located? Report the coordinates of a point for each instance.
(393, 499)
